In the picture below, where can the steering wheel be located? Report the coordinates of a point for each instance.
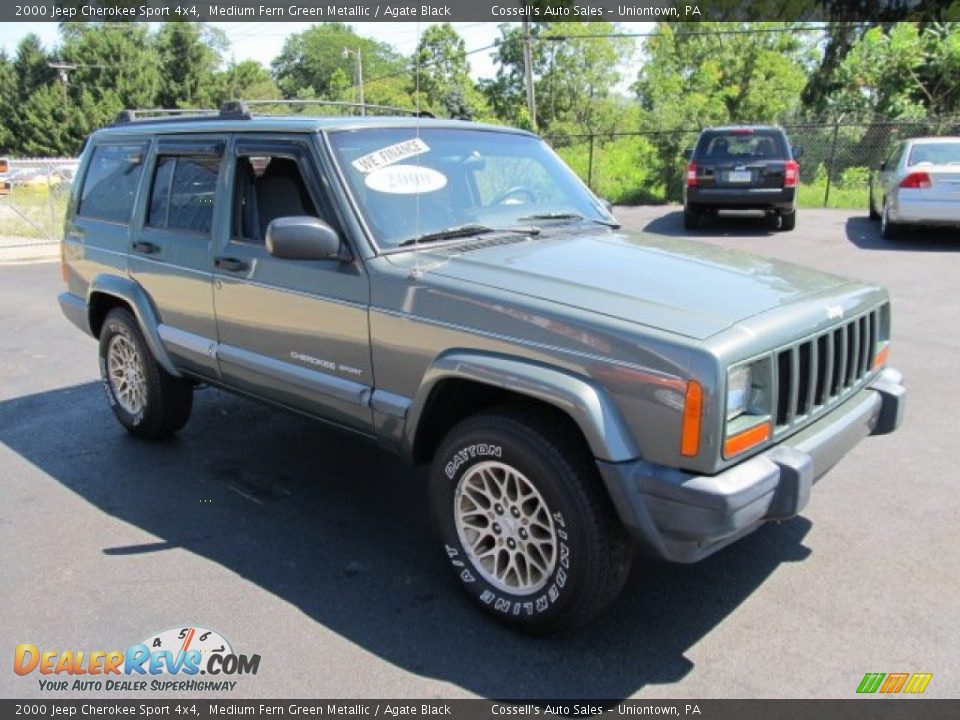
(516, 190)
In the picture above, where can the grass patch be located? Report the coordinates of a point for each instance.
(852, 198)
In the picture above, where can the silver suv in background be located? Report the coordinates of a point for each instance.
(453, 292)
(917, 185)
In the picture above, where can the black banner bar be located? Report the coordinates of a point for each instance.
(477, 10)
(872, 708)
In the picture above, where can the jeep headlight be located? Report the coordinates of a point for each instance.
(739, 384)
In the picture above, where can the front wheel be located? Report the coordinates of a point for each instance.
(148, 401)
(525, 522)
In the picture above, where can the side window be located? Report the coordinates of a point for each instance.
(267, 187)
(183, 193)
(110, 186)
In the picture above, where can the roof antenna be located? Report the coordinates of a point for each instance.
(416, 196)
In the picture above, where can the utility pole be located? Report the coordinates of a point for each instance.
(528, 70)
(358, 79)
(63, 70)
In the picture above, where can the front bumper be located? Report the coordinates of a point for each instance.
(683, 517)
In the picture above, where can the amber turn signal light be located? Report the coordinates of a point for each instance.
(881, 357)
(692, 410)
(745, 440)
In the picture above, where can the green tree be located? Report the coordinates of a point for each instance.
(444, 74)
(575, 91)
(116, 68)
(310, 59)
(8, 102)
(907, 71)
(247, 80)
(190, 56)
(506, 93)
(703, 79)
(30, 66)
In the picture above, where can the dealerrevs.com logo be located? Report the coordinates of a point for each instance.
(166, 661)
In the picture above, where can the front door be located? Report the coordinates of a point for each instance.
(291, 331)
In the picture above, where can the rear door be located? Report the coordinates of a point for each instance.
(171, 252)
(742, 158)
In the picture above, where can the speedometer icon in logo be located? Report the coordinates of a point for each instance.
(182, 640)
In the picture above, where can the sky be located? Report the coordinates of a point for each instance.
(262, 41)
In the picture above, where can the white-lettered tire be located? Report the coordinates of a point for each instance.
(145, 398)
(525, 521)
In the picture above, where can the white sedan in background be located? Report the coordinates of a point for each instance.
(918, 184)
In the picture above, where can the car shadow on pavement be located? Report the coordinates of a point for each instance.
(736, 224)
(865, 234)
(339, 529)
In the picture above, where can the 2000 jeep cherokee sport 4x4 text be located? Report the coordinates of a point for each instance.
(454, 292)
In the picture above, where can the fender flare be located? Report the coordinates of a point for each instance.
(133, 295)
(587, 404)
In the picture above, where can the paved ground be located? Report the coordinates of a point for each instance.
(312, 549)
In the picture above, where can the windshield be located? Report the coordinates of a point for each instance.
(442, 183)
(940, 153)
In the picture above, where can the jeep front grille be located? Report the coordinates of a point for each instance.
(819, 370)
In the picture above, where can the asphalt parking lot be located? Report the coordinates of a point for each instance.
(313, 549)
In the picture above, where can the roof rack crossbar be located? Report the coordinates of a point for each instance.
(131, 115)
(235, 107)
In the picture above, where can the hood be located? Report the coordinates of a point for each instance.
(673, 284)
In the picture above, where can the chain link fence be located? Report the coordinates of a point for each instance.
(643, 167)
(33, 201)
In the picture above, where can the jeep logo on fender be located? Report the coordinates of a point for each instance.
(471, 451)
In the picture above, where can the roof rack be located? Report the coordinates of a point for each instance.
(240, 110)
(237, 107)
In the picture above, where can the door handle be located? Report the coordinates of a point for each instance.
(147, 248)
(231, 264)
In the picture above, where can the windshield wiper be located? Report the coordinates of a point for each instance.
(572, 216)
(468, 230)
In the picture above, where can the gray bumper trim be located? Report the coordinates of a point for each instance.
(684, 517)
(75, 308)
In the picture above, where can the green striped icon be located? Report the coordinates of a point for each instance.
(894, 683)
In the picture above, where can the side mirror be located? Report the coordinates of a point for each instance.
(301, 237)
(882, 166)
(687, 153)
(797, 153)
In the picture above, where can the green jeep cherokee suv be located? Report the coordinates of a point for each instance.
(452, 291)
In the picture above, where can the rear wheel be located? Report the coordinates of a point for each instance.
(525, 522)
(145, 398)
(874, 215)
(788, 221)
(691, 218)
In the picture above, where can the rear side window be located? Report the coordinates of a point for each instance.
(110, 186)
(742, 145)
(183, 193)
